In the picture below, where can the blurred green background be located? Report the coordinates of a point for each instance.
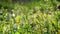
(29, 16)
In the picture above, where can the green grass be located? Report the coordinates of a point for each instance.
(40, 17)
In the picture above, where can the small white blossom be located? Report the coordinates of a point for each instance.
(13, 15)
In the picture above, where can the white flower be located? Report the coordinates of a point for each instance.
(13, 15)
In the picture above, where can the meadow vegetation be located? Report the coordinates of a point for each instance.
(29, 16)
